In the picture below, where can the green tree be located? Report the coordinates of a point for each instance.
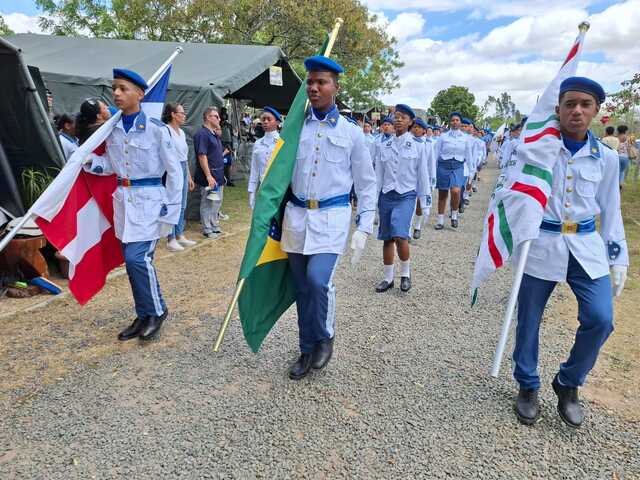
(454, 99)
(366, 50)
(4, 28)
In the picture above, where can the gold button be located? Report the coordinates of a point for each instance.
(569, 177)
(567, 205)
(570, 162)
(313, 174)
(569, 190)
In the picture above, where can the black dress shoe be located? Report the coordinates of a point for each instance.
(301, 368)
(466, 201)
(322, 354)
(133, 330)
(454, 222)
(461, 208)
(383, 286)
(416, 234)
(151, 330)
(439, 226)
(405, 284)
(569, 406)
(527, 406)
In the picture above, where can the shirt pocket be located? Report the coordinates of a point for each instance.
(337, 149)
(146, 204)
(139, 150)
(588, 181)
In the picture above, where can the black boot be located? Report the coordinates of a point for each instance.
(133, 330)
(301, 368)
(322, 354)
(527, 406)
(569, 406)
(383, 286)
(151, 330)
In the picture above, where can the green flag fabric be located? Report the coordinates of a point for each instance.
(268, 289)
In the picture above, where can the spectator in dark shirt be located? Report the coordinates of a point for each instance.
(209, 172)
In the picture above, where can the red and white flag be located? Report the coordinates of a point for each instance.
(519, 199)
(75, 212)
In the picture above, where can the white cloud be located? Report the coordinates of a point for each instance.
(21, 23)
(521, 57)
(406, 25)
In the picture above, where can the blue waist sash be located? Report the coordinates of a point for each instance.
(584, 226)
(140, 182)
(337, 201)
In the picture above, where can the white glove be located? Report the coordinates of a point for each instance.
(252, 199)
(358, 241)
(618, 277)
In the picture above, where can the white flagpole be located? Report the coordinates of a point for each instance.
(508, 314)
(153, 79)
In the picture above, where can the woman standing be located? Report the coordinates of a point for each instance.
(175, 116)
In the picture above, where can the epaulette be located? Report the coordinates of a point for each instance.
(605, 145)
(350, 120)
(157, 122)
(418, 139)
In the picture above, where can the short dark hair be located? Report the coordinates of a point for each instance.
(609, 130)
(168, 109)
(622, 129)
(62, 119)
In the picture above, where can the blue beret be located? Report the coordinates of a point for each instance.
(318, 63)
(130, 76)
(388, 119)
(466, 121)
(436, 127)
(420, 123)
(273, 112)
(584, 85)
(406, 109)
(455, 114)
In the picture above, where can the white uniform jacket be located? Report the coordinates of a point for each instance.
(454, 145)
(584, 186)
(145, 152)
(402, 164)
(332, 157)
(262, 150)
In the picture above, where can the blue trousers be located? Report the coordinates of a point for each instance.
(595, 315)
(178, 230)
(138, 257)
(315, 297)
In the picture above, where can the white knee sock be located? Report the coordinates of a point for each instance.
(454, 214)
(405, 268)
(388, 273)
(425, 213)
(441, 219)
(417, 222)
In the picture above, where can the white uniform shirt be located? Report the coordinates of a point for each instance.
(584, 186)
(146, 151)
(68, 144)
(454, 145)
(332, 157)
(262, 150)
(402, 164)
(181, 149)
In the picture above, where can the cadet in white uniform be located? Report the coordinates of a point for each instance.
(569, 248)
(419, 131)
(402, 171)
(332, 157)
(139, 151)
(262, 150)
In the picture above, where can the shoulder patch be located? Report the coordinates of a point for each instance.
(157, 122)
(350, 120)
(418, 139)
(605, 145)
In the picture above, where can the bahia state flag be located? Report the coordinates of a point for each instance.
(267, 289)
(520, 197)
(75, 212)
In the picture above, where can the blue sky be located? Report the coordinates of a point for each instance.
(513, 46)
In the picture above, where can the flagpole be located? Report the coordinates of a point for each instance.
(27, 216)
(236, 294)
(508, 314)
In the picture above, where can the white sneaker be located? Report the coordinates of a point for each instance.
(222, 216)
(182, 240)
(174, 246)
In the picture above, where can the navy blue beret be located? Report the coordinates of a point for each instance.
(420, 123)
(318, 63)
(406, 109)
(466, 121)
(388, 119)
(455, 114)
(273, 112)
(130, 76)
(436, 127)
(584, 85)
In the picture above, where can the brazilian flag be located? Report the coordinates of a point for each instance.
(268, 289)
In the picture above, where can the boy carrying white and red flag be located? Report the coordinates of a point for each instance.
(117, 209)
(547, 205)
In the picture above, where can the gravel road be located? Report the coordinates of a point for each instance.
(407, 394)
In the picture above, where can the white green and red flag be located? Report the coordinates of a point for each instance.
(520, 197)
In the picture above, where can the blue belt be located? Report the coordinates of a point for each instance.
(337, 201)
(585, 226)
(140, 182)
